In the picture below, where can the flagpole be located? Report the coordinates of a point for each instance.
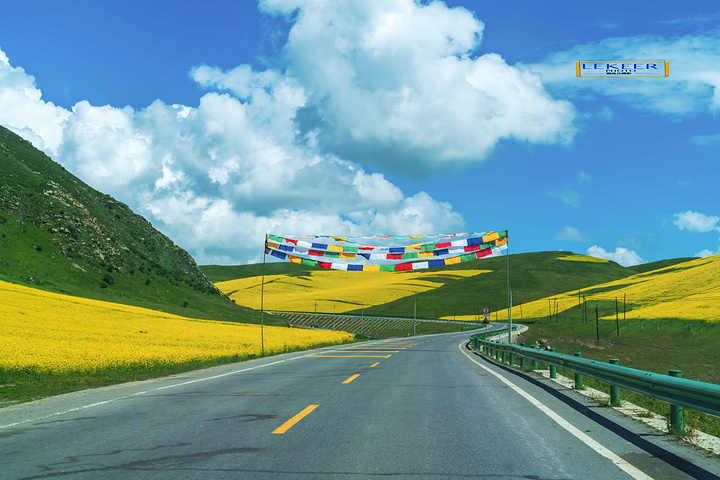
(509, 294)
(262, 302)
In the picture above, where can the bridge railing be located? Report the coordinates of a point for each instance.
(677, 391)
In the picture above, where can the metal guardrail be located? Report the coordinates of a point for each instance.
(678, 392)
(383, 317)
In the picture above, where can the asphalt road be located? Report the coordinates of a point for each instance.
(414, 408)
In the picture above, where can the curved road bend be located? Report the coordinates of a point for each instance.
(412, 408)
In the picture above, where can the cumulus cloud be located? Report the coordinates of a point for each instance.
(218, 176)
(707, 253)
(23, 111)
(571, 234)
(696, 222)
(622, 256)
(394, 84)
(692, 87)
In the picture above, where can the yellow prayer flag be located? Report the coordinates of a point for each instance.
(452, 261)
(490, 237)
(336, 248)
(425, 254)
(347, 255)
(294, 259)
(371, 268)
(501, 241)
(413, 247)
(274, 246)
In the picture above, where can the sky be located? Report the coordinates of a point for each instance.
(221, 121)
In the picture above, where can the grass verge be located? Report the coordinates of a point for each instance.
(17, 386)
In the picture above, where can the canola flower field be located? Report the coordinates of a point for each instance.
(687, 291)
(335, 291)
(44, 332)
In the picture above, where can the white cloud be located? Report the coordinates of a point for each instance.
(622, 256)
(584, 177)
(217, 177)
(696, 222)
(571, 234)
(394, 84)
(706, 140)
(707, 253)
(568, 196)
(692, 87)
(23, 111)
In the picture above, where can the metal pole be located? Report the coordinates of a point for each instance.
(333, 317)
(677, 415)
(414, 312)
(617, 318)
(262, 303)
(509, 297)
(362, 319)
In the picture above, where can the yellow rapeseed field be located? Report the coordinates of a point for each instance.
(688, 291)
(335, 290)
(48, 332)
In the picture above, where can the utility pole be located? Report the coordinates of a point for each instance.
(597, 324)
(262, 301)
(414, 311)
(509, 297)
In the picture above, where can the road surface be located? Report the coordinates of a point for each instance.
(413, 408)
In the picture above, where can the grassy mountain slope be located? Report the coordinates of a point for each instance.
(60, 235)
(533, 276)
(684, 291)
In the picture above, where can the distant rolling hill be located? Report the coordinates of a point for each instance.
(688, 290)
(458, 291)
(59, 234)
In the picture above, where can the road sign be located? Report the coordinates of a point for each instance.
(486, 311)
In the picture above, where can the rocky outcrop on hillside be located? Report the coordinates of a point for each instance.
(44, 208)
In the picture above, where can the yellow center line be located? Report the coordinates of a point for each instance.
(352, 378)
(375, 364)
(349, 356)
(287, 425)
(366, 351)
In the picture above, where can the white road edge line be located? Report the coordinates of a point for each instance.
(625, 466)
(31, 420)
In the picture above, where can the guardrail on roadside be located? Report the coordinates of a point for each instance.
(381, 317)
(677, 391)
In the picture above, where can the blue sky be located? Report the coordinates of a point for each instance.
(220, 121)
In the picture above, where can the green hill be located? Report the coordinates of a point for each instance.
(533, 276)
(59, 234)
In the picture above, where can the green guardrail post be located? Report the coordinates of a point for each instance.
(512, 359)
(677, 417)
(522, 358)
(502, 356)
(614, 390)
(578, 376)
(534, 362)
(553, 368)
